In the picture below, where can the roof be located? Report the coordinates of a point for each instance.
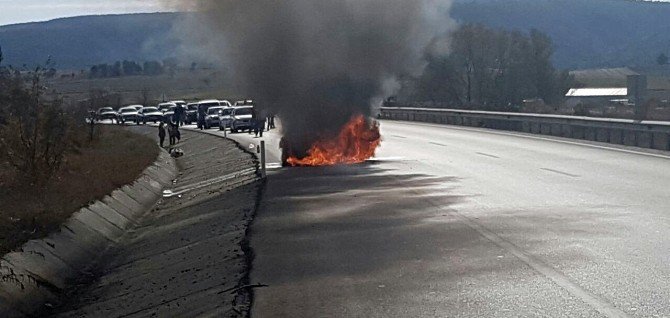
(597, 92)
(603, 77)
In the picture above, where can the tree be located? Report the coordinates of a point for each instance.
(492, 69)
(34, 134)
(662, 59)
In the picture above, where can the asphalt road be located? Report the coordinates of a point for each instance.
(460, 222)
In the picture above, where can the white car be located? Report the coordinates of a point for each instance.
(149, 114)
(128, 114)
(225, 118)
(242, 118)
(212, 117)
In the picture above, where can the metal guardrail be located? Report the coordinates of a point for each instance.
(645, 134)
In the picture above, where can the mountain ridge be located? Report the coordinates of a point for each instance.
(586, 33)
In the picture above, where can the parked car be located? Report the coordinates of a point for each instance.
(212, 118)
(128, 114)
(225, 103)
(203, 107)
(107, 113)
(191, 113)
(225, 118)
(179, 103)
(163, 107)
(242, 118)
(138, 107)
(247, 102)
(168, 115)
(149, 114)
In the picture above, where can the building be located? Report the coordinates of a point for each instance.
(595, 96)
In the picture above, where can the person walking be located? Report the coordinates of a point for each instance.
(161, 133)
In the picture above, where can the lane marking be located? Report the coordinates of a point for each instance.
(595, 301)
(599, 304)
(487, 155)
(438, 144)
(523, 135)
(560, 172)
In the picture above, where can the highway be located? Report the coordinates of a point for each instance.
(460, 222)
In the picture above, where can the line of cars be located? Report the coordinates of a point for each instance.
(207, 114)
(236, 117)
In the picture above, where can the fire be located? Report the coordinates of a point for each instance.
(358, 140)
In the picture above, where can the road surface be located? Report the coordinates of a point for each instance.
(461, 222)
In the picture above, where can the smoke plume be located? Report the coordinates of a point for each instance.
(316, 63)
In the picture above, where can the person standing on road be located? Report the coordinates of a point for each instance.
(161, 133)
(179, 115)
(177, 133)
(202, 112)
(261, 126)
(170, 130)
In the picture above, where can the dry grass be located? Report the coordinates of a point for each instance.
(115, 159)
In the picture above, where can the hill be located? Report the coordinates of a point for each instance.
(586, 33)
(79, 42)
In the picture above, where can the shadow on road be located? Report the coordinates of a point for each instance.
(351, 222)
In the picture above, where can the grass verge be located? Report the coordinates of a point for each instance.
(117, 157)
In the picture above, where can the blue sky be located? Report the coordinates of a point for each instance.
(18, 11)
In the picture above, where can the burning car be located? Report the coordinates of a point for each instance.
(356, 142)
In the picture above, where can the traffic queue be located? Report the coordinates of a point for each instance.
(207, 114)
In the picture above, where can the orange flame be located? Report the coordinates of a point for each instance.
(358, 140)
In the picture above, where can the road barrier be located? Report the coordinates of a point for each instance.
(644, 134)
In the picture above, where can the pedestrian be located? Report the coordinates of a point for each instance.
(179, 115)
(161, 133)
(202, 113)
(170, 130)
(254, 122)
(177, 133)
(261, 126)
(272, 121)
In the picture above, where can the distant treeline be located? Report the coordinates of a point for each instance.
(127, 68)
(492, 69)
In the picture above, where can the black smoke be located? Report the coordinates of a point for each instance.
(316, 63)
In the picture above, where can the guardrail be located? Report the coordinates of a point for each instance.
(644, 134)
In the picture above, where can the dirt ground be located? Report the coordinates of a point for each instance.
(115, 159)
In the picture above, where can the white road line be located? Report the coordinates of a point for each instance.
(557, 277)
(523, 135)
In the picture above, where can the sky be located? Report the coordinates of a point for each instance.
(19, 11)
